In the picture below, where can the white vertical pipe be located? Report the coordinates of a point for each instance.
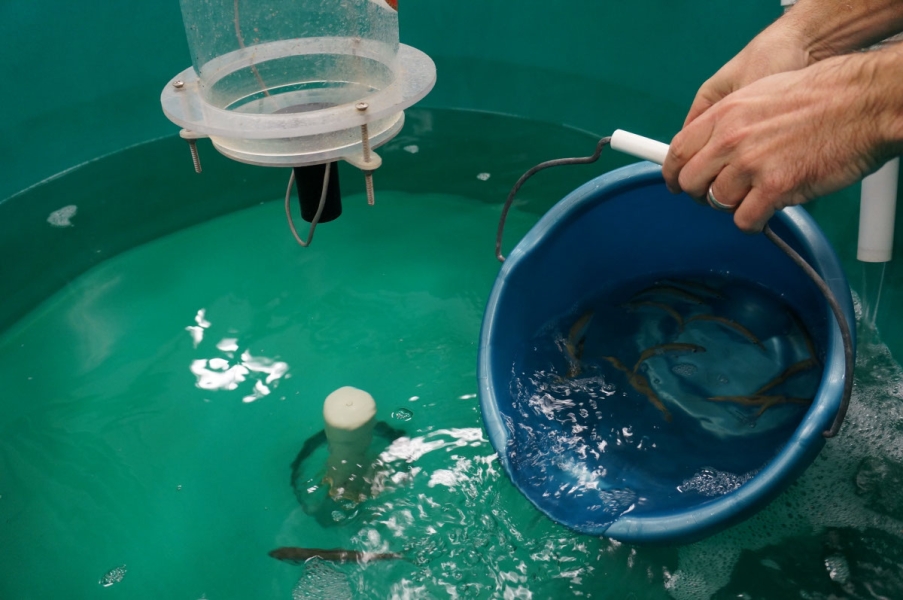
(876, 213)
(878, 202)
(349, 415)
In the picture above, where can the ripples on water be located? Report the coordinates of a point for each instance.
(457, 522)
(601, 425)
(111, 456)
(837, 532)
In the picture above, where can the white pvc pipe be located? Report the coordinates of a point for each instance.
(878, 203)
(349, 415)
(639, 146)
(876, 213)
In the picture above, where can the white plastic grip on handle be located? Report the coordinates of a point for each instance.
(639, 146)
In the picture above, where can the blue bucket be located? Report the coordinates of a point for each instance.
(614, 228)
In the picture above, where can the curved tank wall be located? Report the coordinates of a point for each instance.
(84, 82)
(87, 79)
(83, 125)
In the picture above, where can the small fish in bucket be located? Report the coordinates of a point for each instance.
(652, 374)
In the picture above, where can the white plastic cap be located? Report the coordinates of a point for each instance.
(346, 411)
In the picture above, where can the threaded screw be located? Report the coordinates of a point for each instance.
(365, 146)
(195, 157)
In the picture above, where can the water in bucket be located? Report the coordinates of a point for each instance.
(638, 398)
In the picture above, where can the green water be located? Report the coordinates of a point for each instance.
(153, 408)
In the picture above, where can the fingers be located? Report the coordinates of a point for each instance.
(754, 211)
(730, 187)
(684, 148)
(699, 106)
(717, 87)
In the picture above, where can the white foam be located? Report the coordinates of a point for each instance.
(712, 482)
(825, 495)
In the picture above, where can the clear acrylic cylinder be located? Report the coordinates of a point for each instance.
(283, 56)
(281, 82)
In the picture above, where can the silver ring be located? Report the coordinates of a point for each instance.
(713, 202)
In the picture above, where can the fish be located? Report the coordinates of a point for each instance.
(393, 4)
(298, 556)
(637, 304)
(730, 324)
(764, 401)
(617, 364)
(663, 348)
(575, 342)
(640, 384)
(670, 290)
(798, 367)
(695, 286)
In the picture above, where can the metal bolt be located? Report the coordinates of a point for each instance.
(365, 142)
(195, 158)
(178, 84)
(368, 175)
(362, 106)
(368, 183)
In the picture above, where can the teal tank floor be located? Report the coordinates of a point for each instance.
(153, 408)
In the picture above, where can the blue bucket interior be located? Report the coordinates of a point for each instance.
(620, 227)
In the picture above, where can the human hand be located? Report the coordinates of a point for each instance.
(776, 50)
(788, 138)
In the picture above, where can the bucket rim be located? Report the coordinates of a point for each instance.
(688, 524)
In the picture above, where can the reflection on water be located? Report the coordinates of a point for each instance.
(103, 421)
(220, 373)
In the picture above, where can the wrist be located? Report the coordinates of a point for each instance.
(885, 84)
(826, 28)
(795, 28)
(788, 36)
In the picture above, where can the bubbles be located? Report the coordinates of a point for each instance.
(853, 487)
(712, 482)
(403, 414)
(684, 369)
(63, 216)
(113, 576)
(322, 580)
(674, 391)
(838, 568)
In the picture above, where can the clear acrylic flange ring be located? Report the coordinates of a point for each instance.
(304, 125)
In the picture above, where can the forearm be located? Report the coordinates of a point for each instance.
(826, 28)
